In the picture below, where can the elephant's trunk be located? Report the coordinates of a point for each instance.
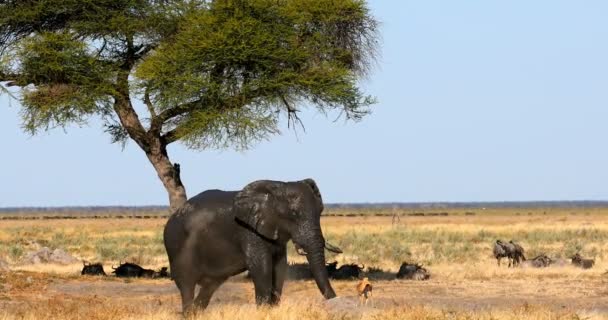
(316, 261)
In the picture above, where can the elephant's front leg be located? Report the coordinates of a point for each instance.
(279, 274)
(260, 267)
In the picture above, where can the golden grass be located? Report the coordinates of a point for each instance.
(455, 248)
(97, 309)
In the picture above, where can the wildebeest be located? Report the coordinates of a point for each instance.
(162, 273)
(518, 253)
(299, 271)
(92, 269)
(579, 261)
(131, 270)
(147, 273)
(413, 271)
(500, 251)
(295, 271)
(540, 261)
(511, 250)
(346, 271)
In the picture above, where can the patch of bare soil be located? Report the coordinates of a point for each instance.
(472, 295)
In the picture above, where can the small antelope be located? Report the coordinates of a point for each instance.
(364, 290)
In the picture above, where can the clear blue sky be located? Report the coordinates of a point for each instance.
(478, 101)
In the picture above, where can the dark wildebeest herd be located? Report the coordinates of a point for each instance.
(295, 271)
(351, 271)
(124, 270)
(515, 255)
(512, 251)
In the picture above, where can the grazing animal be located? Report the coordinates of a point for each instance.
(131, 270)
(413, 271)
(92, 269)
(513, 251)
(540, 261)
(299, 271)
(295, 271)
(364, 290)
(162, 273)
(517, 254)
(581, 262)
(376, 273)
(500, 251)
(345, 272)
(331, 267)
(147, 273)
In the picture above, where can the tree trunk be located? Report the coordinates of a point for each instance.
(151, 144)
(169, 174)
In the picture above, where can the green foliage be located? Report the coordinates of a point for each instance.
(71, 85)
(212, 73)
(15, 251)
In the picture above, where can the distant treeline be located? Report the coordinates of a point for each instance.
(387, 205)
(85, 209)
(471, 205)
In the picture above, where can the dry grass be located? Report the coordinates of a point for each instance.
(100, 308)
(465, 283)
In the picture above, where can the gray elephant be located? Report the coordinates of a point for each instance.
(218, 234)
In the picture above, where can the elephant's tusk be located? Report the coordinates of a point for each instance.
(332, 248)
(300, 250)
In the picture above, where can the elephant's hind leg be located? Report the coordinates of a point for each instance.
(208, 287)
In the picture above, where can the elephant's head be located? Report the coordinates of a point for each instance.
(280, 211)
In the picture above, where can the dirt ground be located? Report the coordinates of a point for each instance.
(21, 290)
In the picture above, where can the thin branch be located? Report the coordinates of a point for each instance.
(5, 90)
(103, 47)
(339, 116)
(292, 115)
(8, 77)
(149, 104)
(142, 51)
(159, 120)
(171, 136)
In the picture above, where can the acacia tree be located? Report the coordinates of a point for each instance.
(212, 74)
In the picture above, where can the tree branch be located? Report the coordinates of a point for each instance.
(10, 78)
(292, 115)
(174, 135)
(149, 104)
(103, 47)
(171, 136)
(159, 120)
(127, 115)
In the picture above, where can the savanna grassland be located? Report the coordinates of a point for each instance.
(466, 283)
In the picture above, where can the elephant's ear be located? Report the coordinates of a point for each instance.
(315, 190)
(257, 206)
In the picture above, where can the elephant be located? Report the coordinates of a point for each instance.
(218, 234)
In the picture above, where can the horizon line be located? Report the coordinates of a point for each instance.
(335, 204)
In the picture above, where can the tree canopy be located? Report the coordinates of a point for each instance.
(211, 73)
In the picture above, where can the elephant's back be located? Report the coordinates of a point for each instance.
(206, 207)
(200, 212)
(212, 200)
